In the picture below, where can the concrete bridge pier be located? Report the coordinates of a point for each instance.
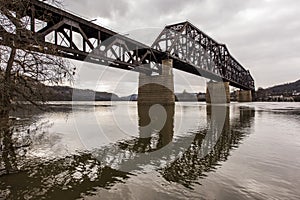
(244, 96)
(156, 107)
(217, 92)
(157, 89)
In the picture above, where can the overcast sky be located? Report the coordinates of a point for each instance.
(263, 35)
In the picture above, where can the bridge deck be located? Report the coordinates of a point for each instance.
(54, 31)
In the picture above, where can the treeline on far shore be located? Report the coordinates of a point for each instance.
(281, 93)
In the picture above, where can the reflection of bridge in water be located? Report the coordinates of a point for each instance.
(183, 160)
(206, 152)
(156, 143)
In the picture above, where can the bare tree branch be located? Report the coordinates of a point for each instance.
(23, 72)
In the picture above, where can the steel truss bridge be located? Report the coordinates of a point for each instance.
(51, 28)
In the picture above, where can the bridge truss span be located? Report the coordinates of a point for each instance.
(51, 30)
(197, 53)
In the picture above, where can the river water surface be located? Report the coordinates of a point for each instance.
(119, 150)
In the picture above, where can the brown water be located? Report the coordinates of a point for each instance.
(108, 150)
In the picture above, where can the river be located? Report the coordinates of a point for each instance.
(119, 150)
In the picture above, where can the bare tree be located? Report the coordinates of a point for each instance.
(23, 72)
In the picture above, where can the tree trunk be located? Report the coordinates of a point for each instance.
(6, 87)
(7, 148)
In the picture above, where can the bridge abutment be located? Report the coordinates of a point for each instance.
(217, 93)
(244, 96)
(157, 89)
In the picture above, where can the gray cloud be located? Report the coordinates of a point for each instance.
(103, 8)
(262, 34)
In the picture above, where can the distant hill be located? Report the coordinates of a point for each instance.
(284, 91)
(65, 93)
(185, 96)
(288, 88)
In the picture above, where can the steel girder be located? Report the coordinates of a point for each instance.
(197, 53)
(74, 37)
